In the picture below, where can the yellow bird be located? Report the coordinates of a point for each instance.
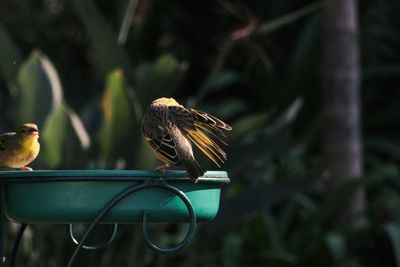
(18, 149)
(170, 128)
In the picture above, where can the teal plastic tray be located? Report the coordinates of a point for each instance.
(72, 196)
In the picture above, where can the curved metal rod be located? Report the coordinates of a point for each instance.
(102, 213)
(149, 183)
(192, 226)
(17, 241)
(98, 246)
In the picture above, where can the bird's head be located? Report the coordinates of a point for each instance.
(164, 101)
(28, 130)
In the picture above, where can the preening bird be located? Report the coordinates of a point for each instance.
(170, 128)
(18, 149)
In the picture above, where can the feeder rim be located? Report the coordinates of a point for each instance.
(218, 177)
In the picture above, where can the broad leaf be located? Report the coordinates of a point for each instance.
(119, 131)
(39, 89)
(158, 79)
(65, 138)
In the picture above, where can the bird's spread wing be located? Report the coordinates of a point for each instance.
(162, 144)
(181, 117)
(195, 123)
(209, 122)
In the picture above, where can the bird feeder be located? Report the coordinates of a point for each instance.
(107, 197)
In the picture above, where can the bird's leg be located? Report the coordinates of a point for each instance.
(26, 168)
(162, 168)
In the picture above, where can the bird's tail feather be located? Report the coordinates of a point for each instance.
(193, 168)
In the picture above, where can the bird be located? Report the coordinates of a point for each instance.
(171, 129)
(18, 149)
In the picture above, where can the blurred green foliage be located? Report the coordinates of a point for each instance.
(255, 64)
(117, 135)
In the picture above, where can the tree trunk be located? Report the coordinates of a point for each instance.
(341, 84)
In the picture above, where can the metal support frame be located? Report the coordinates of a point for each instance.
(148, 183)
(17, 240)
(97, 246)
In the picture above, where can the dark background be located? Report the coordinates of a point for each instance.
(256, 64)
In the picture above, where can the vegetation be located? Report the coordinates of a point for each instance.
(256, 64)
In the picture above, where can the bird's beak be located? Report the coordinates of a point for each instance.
(33, 131)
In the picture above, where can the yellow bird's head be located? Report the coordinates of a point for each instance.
(28, 131)
(164, 101)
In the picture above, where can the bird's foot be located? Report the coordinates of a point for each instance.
(26, 168)
(162, 168)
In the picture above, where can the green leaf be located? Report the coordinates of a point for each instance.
(337, 245)
(273, 231)
(286, 217)
(276, 24)
(217, 78)
(54, 137)
(39, 99)
(279, 255)
(145, 156)
(351, 262)
(108, 54)
(10, 58)
(383, 145)
(65, 139)
(212, 76)
(304, 65)
(159, 79)
(342, 195)
(304, 78)
(79, 129)
(248, 126)
(393, 231)
(231, 250)
(127, 21)
(286, 118)
(120, 128)
(244, 206)
(225, 78)
(39, 89)
(231, 108)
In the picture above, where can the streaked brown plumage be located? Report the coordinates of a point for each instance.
(18, 149)
(170, 128)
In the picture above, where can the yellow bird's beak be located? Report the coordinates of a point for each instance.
(33, 131)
